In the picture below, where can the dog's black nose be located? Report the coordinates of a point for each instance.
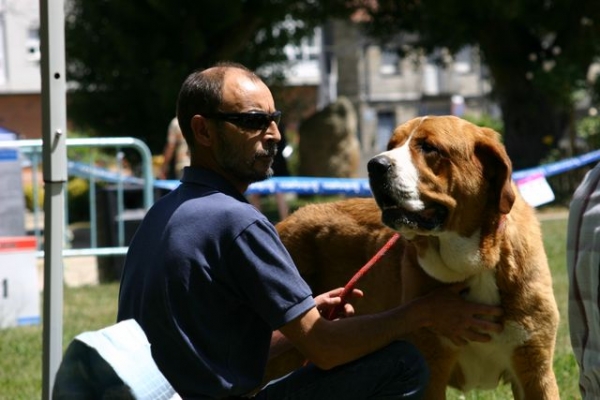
(379, 165)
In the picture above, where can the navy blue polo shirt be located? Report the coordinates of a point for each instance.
(208, 279)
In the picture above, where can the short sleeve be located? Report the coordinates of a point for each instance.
(267, 276)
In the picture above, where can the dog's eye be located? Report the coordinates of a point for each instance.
(428, 148)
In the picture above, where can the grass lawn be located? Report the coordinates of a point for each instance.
(93, 307)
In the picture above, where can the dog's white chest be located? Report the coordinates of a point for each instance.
(456, 259)
(484, 364)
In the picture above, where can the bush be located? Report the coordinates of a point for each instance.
(486, 120)
(77, 198)
(588, 129)
(29, 197)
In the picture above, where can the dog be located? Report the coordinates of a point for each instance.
(444, 184)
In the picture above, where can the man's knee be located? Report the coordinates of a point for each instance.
(409, 365)
(409, 353)
(84, 374)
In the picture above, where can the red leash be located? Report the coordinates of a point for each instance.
(336, 311)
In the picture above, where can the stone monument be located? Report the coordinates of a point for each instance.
(328, 144)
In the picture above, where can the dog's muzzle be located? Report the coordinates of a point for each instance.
(393, 202)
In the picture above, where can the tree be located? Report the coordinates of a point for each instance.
(126, 60)
(538, 53)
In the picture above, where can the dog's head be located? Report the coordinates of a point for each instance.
(442, 173)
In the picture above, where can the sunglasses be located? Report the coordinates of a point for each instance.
(249, 120)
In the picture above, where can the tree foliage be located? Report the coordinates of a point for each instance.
(538, 53)
(126, 60)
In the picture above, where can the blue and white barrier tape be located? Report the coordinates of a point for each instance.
(303, 185)
(559, 167)
(310, 186)
(324, 186)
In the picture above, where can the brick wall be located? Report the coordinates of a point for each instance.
(22, 114)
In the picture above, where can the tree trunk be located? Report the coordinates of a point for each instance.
(532, 125)
(535, 109)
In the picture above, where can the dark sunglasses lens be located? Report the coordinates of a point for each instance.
(258, 121)
(276, 117)
(254, 121)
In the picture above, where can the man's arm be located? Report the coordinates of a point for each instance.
(324, 304)
(279, 344)
(331, 343)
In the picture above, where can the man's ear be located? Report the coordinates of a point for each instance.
(202, 134)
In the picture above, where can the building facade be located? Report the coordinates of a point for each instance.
(388, 90)
(20, 76)
(338, 60)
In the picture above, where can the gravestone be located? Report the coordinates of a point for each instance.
(329, 144)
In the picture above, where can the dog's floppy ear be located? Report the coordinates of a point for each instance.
(497, 170)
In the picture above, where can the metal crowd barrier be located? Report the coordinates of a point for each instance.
(357, 187)
(32, 151)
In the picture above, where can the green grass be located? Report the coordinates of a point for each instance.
(93, 307)
(85, 308)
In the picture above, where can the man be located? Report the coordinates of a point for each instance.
(175, 153)
(217, 294)
(583, 265)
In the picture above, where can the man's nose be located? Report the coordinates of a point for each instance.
(273, 132)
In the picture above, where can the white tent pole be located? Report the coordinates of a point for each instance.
(54, 135)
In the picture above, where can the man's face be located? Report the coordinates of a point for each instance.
(248, 160)
(246, 154)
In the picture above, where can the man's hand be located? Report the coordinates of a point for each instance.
(329, 300)
(325, 303)
(461, 321)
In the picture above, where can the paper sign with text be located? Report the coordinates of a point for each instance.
(535, 190)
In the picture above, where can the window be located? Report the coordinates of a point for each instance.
(386, 122)
(389, 62)
(33, 45)
(309, 48)
(463, 61)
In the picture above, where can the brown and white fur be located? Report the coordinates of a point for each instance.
(445, 185)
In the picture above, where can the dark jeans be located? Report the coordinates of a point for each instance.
(397, 371)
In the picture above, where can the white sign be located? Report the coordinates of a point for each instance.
(535, 190)
(19, 288)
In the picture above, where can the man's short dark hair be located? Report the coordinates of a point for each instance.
(202, 93)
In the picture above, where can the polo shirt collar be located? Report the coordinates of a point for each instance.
(206, 177)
